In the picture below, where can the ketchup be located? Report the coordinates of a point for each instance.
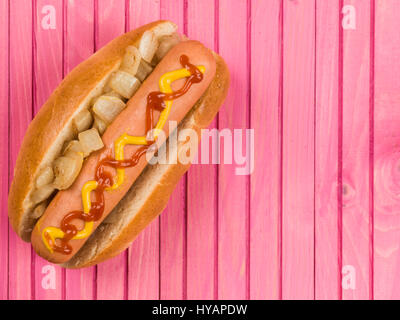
(155, 102)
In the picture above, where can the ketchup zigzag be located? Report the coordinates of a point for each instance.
(160, 101)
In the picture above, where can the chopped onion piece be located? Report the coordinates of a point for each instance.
(39, 210)
(166, 44)
(164, 29)
(144, 70)
(72, 147)
(100, 125)
(114, 94)
(46, 176)
(66, 169)
(124, 83)
(131, 60)
(83, 121)
(42, 193)
(148, 45)
(90, 141)
(107, 108)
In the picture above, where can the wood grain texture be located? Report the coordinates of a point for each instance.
(202, 193)
(111, 275)
(356, 185)
(4, 165)
(233, 189)
(265, 185)
(144, 262)
(327, 236)
(78, 46)
(20, 281)
(48, 69)
(173, 219)
(298, 150)
(387, 151)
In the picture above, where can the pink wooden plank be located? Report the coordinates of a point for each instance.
(143, 12)
(20, 269)
(264, 219)
(79, 32)
(110, 274)
(49, 57)
(4, 149)
(202, 184)
(143, 271)
(233, 189)
(355, 150)
(298, 150)
(78, 46)
(48, 64)
(327, 270)
(386, 151)
(173, 219)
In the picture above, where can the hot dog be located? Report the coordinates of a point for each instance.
(90, 190)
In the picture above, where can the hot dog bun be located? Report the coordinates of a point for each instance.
(53, 125)
(132, 120)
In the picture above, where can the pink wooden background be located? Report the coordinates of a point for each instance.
(324, 103)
